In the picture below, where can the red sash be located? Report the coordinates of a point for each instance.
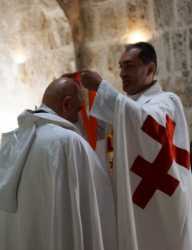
(89, 123)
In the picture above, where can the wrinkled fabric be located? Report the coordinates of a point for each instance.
(62, 197)
(12, 159)
(165, 221)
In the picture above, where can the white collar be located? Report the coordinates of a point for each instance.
(146, 95)
(46, 116)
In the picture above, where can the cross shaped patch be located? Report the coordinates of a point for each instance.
(155, 175)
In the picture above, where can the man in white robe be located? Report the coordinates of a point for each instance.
(54, 194)
(152, 177)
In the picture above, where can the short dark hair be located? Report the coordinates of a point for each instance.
(147, 52)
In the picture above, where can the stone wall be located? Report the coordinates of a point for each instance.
(37, 32)
(35, 46)
(173, 40)
(107, 25)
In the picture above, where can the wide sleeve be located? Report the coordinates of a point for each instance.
(159, 108)
(104, 105)
(110, 105)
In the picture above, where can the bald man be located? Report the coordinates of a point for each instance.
(54, 194)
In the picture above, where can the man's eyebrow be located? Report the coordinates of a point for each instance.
(125, 61)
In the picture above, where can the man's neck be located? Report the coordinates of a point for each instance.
(140, 92)
(145, 87)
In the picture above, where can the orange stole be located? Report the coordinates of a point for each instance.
(89, 123)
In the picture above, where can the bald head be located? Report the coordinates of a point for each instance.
(64, 97)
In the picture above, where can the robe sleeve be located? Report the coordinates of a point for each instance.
(109, 102)
(159, 107)
(104, 105)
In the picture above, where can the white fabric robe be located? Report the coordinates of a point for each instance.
(161, 221)
(54, 194)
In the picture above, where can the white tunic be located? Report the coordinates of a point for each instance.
(54, 194)
(152, 177)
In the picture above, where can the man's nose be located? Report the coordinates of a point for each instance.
(122, 73)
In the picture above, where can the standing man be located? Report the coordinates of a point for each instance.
(152, 177)
(54, 194)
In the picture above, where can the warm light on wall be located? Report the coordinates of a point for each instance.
(19, 57)
(139, 35)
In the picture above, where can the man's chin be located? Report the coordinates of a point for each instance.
(126, 88)
(129, 91)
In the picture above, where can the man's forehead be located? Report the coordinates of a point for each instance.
(67, 81)
(72, 80)
(130, 55)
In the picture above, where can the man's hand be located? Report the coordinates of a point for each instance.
(90, 80)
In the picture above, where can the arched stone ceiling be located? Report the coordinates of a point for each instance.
(35, 46)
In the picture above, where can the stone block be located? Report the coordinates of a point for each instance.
(38, 71)
(114, 53)
(138, 10)
(164, 13)
(15, 5)
(89, 22)
(101, 1)
(184, 10)
(62, 30)
(188, 112)
(162, 45)
(166, 46)
(139, 18)
(63, 60)
(190, 47)
(94, 57)
(183, 87)
(165, 82)
(47, 4)
(44, 39)
(34, 19)
(180, 50)
(95, 2)
(108, 22)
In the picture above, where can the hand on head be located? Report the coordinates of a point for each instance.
(90, 79)
(63, 95)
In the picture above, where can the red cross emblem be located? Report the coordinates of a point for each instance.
(155, 175)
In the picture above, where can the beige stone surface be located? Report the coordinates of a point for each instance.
(40, 30)
(107, 27)
(35, 47)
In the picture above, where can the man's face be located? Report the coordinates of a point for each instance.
(133, 72)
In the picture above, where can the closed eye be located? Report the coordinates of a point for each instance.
(127, 65)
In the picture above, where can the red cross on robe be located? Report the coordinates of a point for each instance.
(155, 175)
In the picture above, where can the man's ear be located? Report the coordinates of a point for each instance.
(151, 68)
(67, 103)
